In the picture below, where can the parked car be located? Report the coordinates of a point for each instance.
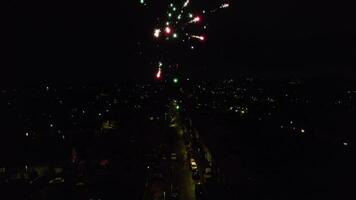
(196, 175)
(173, 195)
(173, 156)
(200, 192)
(207, 173)
(193, 164)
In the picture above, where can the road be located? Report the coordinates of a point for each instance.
(176, 173)
(182, 173)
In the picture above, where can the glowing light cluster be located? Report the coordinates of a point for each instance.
(177, 22)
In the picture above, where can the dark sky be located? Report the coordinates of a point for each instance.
(99, 40)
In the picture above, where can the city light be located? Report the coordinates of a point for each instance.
(175, 80)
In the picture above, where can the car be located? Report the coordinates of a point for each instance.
(193, 164)
(164, 157)
(200, 192)
(41, 180)
(80, 184)
(95, 198)
(173, 156)
(173, 195)
(152, 159)
(207, 173)
(196, 175)
(56, 180)
(156, 174)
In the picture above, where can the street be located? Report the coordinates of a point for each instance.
(174, 174)
(182, 173)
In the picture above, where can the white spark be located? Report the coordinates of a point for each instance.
(202, 38)
(225, 5)
(157, 33)
(186, 3)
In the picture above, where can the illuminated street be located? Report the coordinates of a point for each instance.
(176, 172)
(182, 171)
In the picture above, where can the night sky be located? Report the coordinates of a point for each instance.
(103, 39)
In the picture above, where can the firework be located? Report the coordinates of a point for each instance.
(195, 20)
(186, 3)
(157, 33)
(201, 38)
(168, 30)
(225, 5)
(180, 23)
(159, 74)
(222, 6)
(143, 2)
